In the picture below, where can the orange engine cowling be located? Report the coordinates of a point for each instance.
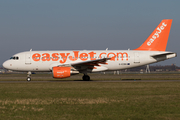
(61, 72)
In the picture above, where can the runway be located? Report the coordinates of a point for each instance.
(104, 81)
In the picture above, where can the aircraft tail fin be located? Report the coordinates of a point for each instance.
(158, 39)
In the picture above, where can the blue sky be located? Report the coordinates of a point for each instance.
(84, 24)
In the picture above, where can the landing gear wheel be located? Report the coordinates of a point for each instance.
(28, 79)
(86, 78)
(29, 76)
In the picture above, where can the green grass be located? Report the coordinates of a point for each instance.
(90, 100)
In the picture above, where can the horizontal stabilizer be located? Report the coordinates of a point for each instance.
(164, 56)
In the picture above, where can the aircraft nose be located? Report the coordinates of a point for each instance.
(5, 64)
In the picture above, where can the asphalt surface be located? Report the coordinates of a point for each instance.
(89, 81)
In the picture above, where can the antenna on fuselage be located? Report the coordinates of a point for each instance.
(106, 49)
(30, 49)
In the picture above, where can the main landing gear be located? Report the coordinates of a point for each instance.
(86, 77)
(28, 76)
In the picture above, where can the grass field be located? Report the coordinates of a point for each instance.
(90, 100)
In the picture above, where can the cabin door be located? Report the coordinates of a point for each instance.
(27, 59)
(136, 58)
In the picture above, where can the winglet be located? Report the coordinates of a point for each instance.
(157, 41)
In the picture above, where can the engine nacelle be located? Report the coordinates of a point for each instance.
(61, 72)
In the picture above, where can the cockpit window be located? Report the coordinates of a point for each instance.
(15, 58)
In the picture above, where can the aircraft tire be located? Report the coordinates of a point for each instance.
(28, 79)
(86, 78)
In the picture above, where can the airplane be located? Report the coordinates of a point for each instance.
(63, 64)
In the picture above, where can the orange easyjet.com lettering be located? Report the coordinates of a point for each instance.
(63, 57)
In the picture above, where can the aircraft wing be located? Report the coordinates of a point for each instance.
(92, 62)
(91, 65)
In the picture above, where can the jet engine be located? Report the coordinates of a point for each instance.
(61, 72)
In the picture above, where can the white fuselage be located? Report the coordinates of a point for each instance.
(46, 60)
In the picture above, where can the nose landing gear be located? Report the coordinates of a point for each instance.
(28, 76)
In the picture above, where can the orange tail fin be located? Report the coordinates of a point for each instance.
(157, 41)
